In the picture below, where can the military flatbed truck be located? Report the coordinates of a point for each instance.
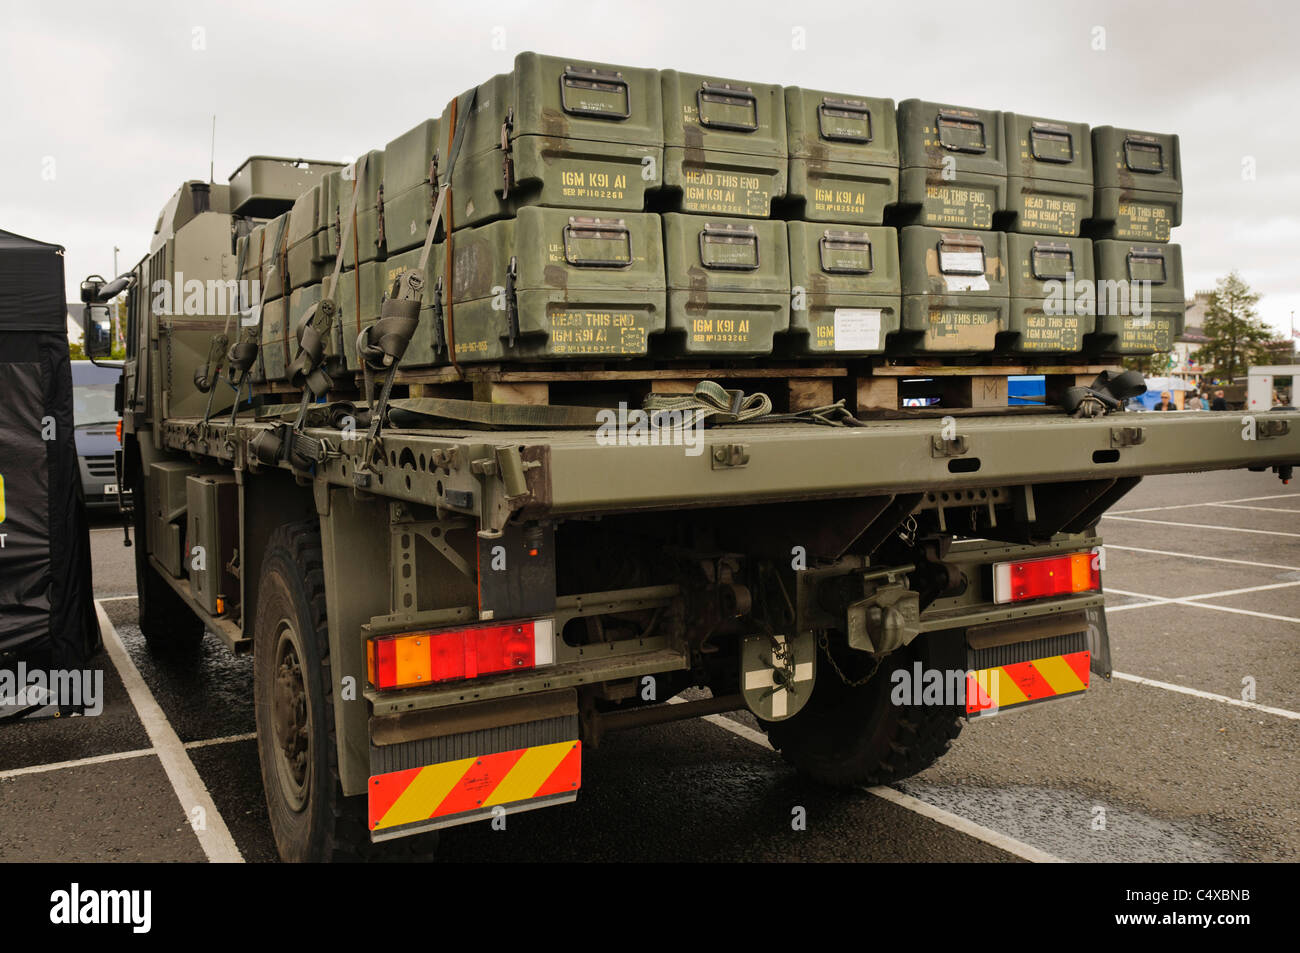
(449, 602)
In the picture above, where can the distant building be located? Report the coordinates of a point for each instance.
(1191, 340)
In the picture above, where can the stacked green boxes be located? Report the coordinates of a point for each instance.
(410, 169)
(359, 298)
(566, 284)
(953, 165)
(274, 354)
(843, 156)
(1050, 304)
(1139, 184)
(955, 289)
(327, 220)
(844, 289)
(1049, 175)
(1140, 303)
(724, 145)
(428, 346)
(274, 274)
(304, 227)
(558, 132)
(366, 175)
(728, 285)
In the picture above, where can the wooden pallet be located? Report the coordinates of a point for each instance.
(868, 387)
(964, 386)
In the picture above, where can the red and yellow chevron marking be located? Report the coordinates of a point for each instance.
(993, 689)
(473, 784)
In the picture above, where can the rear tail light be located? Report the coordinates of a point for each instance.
(1049, 576)
(119, 433)
(425, 658)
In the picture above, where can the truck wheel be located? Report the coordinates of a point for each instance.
(168, 625)
(293, 689)
(850, 736)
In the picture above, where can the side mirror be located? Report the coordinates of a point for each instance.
(99, 331)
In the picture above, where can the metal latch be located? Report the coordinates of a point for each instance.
(729, 455)
(941, 446)
(1127, 436)
(1271, 428)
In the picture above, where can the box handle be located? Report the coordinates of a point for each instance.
(1051, 142)
(848, 112)
(1045, 258)
(961, 133)
(726, 96)
(590, 80)
(1142, 264)
(853, 245)
(961, 256)
(1144, 155)
(729, 247)
(587, 239)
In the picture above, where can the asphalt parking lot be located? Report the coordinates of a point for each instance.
(1173, 759)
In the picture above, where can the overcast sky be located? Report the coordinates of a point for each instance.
(105, 108)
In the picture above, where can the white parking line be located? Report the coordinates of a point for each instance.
(1204, 595)
(1182, 506)
(1262, 509)
(228, 739)
(1166, 601)
(916, 805)
(214, 837)
(60, 765)
(1213, 559)
(1226, 529)
(1226, 699)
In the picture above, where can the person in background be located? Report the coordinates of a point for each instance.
(1166, 402)
(1218, 403)
(1193, 401)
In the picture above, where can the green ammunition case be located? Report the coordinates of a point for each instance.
(728, 285)
(361, 292)
(265, 186)
(252, 260)
(1046, 276)
(301, 257)
(560, 133)
(844, 290)
(1140, 303)
(1049, 175)
(300, 302)
(955, 290)
(274, 254)
(278, 346)
(1139, 185)
(364, 240)
(571, 284)
(843, 156)
(724, 145)
(410, 166)
(432, 328)
(212, 515)
(327, 220)
(953, 165)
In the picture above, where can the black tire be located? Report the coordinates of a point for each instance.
(169, 626)
(311, 819)
(847, 737)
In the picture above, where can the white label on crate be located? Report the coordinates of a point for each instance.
(966, 282)
(857, 329)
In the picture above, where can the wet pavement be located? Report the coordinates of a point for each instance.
(1130, 771)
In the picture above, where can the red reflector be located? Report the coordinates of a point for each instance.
(1050, 576)
(419, 658)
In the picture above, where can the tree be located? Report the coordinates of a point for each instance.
(1238, 337)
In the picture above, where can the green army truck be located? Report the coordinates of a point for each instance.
(450, 598)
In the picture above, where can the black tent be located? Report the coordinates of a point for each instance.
(47, 616)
